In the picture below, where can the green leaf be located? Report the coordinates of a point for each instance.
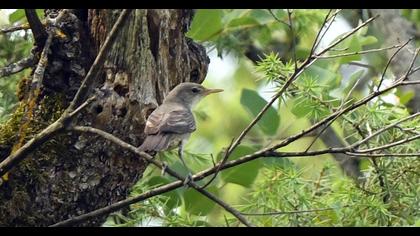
(17, 16)
(405, 97)
(262, 16)
(320, 74)
(263, 36)
(230, 15)
(40, 13)
(306, 107)
(283, 163)
(270, 121)
(206, 24)
(351, 81)
(172, 198)
(243, 174)
(354, 46)
(368, 40)
(198, 204)
(301, 107)
(243, 22)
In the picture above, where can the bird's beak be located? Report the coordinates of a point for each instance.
(209, 91)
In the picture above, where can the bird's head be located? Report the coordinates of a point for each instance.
(189, 93)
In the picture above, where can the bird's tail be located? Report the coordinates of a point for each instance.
(156, 142)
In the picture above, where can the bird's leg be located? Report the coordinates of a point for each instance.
(164, 166)
(180, 154)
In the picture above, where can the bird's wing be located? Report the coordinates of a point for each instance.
(176, 121)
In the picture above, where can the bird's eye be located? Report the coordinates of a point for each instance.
(195, 90)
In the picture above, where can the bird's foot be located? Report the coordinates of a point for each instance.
(164, 167)
(188, 179)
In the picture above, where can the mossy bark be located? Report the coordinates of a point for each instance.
(73, 174)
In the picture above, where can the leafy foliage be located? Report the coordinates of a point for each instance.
(388, 193)
(310, 191)
(13, 47)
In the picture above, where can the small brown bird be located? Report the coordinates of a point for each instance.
(171, 124)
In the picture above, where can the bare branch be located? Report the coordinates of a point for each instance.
(358, 53)
(291, 212)
(14, 28)
(308, 62)
(119, 205)
(65, 119)
(348, 34)
(389, 63)
(416, 53)
(17, 66)
(319, 37)
(384, 129)
(289, 15)
(150, 159)
(393, 144)
(355, 154)
(276, 18)
(410, 82)
(38, 30)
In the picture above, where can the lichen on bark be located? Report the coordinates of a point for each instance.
(72, 174)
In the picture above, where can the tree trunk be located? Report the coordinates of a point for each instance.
(73, 174)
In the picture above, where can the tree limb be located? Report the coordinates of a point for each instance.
(38, 30)
(61, 123)
(17, 66)
(149, 159)
(14, 28)
(297, 72)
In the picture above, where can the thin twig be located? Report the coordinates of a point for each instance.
(358, 52)
(176, 184)
(291, 212)
(355, 105)
(60, 124)
(355, 145)
(356, 63)
(416, 53)
(218, 167)
(348, 34)
(150, 159)
(277, 19)
(389, 145)
(414, 70)
(389, 63)
(289, 16)
(410, 82)
(417, 154)
(308, 62)
(82, 106)
(327, 22)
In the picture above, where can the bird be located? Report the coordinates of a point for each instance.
(170, 125)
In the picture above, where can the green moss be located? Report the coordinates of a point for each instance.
(10, 128)
(20, 90)
(48, 110)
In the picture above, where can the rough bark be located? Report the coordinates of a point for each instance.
(73, 174)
